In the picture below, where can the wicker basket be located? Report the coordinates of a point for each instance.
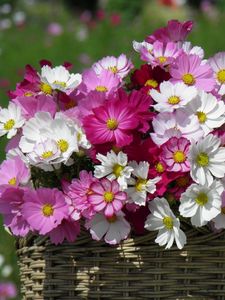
(136, 269)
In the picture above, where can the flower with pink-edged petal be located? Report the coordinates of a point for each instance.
(67, 230)
(44, 209)
(77, 195)
(161, 55)
(117, 65)
(175, 31)
(113, 229)
(111, 122)
(217, 62)
(11, 201)
(174, 154)
(106, 197)
(14, 172)
(106, 82)
(193, 72)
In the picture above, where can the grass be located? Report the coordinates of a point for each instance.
(28, 45)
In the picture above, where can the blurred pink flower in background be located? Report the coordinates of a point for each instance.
(115, 19)
(7, 290)
(55, 29)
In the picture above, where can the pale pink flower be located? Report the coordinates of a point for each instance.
(7, 290)
(113, 229)
(174, 154)
(106, 197)
(190, 70)
(117, 65)
(14, 172)
(217, 63)
(161, 55)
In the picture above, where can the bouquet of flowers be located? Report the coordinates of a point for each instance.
(117, 149)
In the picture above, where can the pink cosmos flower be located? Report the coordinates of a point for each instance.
(32, 104)
(111, 122)
(92, 100)
(175, 31)
(55, 29)
(190, 70)
(7, 290)
(14, 172)
(217, 63)
(117, 65)
(107, 197)
(11, 201)
(67, 230)
(113, 229)
(77, 195)
(174, 154)
(44, 209)
(105, 82)
(161, 55)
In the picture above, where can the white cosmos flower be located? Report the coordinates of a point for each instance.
(188, 48)
(114, 166)
(207, 160)
(219, 221)
(138, 46)
(113, 229)
(162, 218)
(141, 185)
(172, 96)
(59, 78)
(10, 120)
(210, 111)
(178, 124)
(201, 203)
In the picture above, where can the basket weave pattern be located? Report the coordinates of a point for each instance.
(136, 269)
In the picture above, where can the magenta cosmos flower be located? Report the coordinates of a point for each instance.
(107, 197)
(174, 154)
(190, 70)
(11, 201)
(44, 209)
(14, 172)
(111, 122)
(175, 31)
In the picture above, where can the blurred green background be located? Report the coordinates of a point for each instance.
(84, 31)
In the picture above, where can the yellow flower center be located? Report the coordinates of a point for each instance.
(28, 94)
(152, 83)
(221, 76)
(159, 167)
(112, 124)
(101, 88)
(47, 210)
(12, 181)
(173, 100)
(179, 156)
(182, 181)
(188, 79)
(63, 145)
(9, 124)
(201, 199)
(201, 116)
(140, 184)
(113, 69)
(112, 219)
(60, 83)
(202, 159)
(46, 88)
(223, 210)
(117, 169)
(168, 222)
(47, 154)
(108, 197)
(162, 59)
